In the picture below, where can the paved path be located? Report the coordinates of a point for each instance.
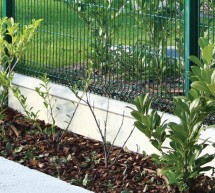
(15, 178)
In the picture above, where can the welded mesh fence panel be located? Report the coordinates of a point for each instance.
(59, 44)
(207, 29)
(207, 19)
(132, 46)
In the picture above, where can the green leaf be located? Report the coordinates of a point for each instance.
(141, 103)
(205, 169)
(196, 72)
(201, 86)
(142, 128)
(193, 93)
(207, 53)
(213, 77)
(136, 115)
(18, 149)
(85, 180)
(156, 144)
(146, 120)
(206, 75)
(178, 139)
(194, 104)
(9, 147)
(182, 105)
(212, 88)
(206, 158)
(196, 61)
(45, 104)
(171, 176)
(203, 42)
(125, 191)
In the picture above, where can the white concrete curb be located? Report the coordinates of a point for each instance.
(15, 178)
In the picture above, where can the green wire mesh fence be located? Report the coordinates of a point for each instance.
(207, 29)
(207, 19)
(133, 46)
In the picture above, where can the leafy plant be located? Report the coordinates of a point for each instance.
(14, 41)
(154, 44)
(50, 105)
(29, 154)
(203, 73)
(101, 19)
(183, 160)
(12, 50)
(48, 101)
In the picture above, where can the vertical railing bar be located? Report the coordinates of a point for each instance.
(121, 43)
(57, 36)
(37, 54)
(33, 56)
(180, 60)
(173, 39)
(65, 43)
(71, 32)
(213, 21)
(38, 43)
(164, 19)
(47, 39)
(191, 34)
(9, 8)
(76, 48)
(176, 68)
(135, 59)
(61, 37)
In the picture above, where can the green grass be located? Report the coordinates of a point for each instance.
(63, 38)
(56, 42)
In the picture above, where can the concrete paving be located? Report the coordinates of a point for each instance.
(15, 178)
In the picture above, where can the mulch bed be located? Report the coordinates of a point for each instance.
(80, 161)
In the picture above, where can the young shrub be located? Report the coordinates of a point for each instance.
(11, 52)
(183, 160)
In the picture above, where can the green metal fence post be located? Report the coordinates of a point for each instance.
(191, 35)
(9, 8)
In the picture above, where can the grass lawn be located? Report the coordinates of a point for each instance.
(56, 43)
(63, 38)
